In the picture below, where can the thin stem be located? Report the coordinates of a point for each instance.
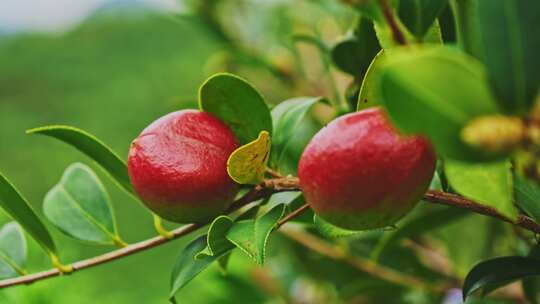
(439, 197)
(158, 225)
(61, 268)
(273, 173)
(390, 18)
(266, 189)
(293, 215)
(118, 242)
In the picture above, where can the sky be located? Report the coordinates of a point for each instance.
(59, 15)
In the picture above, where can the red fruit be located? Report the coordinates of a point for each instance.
(359, 173)
(178, 166)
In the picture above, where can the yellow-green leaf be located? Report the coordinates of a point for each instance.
(247, 164)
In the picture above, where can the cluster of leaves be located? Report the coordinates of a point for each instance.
(403, 57)
(452, 70)
(80, 207)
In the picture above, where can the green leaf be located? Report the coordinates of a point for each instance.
(223, 262)
(368, 95)
(511, 44)
(447, 25)
(354, 52)
(251, 236)
(466, 22)
(435, 91)
(12, 251)
(287, 116)
(80, 207)
(330, 231)
(238, 104)
(387, 40)
(497, 272)
(241, 235)
(349, 55)
(264, 225)
(385, 35)
(295, 200)
(530, 289)
(419, 15)
(487, 183)
(216, 238)
(527, 195)
(19, 209)
(434, 34)
(288, 162)
(530, 285)
(187, 267)
(436, 183)
(93, 148)
(251, 212)
(247, 164)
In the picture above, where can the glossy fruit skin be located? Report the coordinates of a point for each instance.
(178, 166)
(359, 173)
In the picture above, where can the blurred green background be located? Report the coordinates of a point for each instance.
(121, 69)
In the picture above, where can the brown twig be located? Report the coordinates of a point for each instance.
(432, 196)
(388, 14)
(260, 191)
(292, 215)
(265, 189)
(273, 173)
(107, 257)
(439, 197)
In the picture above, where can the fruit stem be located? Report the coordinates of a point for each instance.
(64, 269)
(273, 173)
(158, 225)
(263, 190)
(119, 242)
(292, 215)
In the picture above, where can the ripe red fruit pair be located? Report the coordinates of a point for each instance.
(356, 173)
